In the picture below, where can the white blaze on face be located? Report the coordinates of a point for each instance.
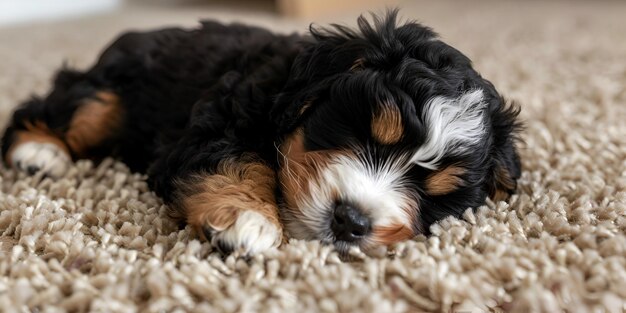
(378, 191)
(454, 125)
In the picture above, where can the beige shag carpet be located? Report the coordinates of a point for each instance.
(97, 241)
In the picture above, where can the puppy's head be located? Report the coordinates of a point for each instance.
(388, 130)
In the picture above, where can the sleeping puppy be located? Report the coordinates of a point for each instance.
(356, 137)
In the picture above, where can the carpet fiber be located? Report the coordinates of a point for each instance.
(96, 240)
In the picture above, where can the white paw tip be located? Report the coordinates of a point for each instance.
(251, 234)
(33, 157)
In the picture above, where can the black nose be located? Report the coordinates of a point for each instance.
(349, 224)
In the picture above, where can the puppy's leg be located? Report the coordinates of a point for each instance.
(34, 147)
(46, 134)
(226, 195)
(234, 207)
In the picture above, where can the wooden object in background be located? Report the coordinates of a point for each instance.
(316, 8)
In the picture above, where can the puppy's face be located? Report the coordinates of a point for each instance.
(392, 141)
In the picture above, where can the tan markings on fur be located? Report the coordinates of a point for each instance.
(504, 184)
(402, 230)
(299, 168)
(293, 175)
(35, 132)
(217, 199)
(358, 65)
(386, 235)
(94, 121)
(387, 125)
(444, 181)
(293, 146)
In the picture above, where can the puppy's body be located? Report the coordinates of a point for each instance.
(361, 138)
(157, 78)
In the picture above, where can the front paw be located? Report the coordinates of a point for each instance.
(33, 157)
(251, 233)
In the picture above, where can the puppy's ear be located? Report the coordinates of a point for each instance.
(67, 77)
(328, 52)
(310, 76)
(505, 166)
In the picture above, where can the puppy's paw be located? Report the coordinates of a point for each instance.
(250, 234)
(33, 157)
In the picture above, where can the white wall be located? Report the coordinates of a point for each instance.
(25, 11)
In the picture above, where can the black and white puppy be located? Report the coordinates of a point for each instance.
(356, 137)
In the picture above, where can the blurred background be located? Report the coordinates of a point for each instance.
(38, 36)
(14, 12)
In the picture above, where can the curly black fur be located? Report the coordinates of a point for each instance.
(194, 97)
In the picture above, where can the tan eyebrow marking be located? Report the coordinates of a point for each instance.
(444, 181)
(387, 127)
